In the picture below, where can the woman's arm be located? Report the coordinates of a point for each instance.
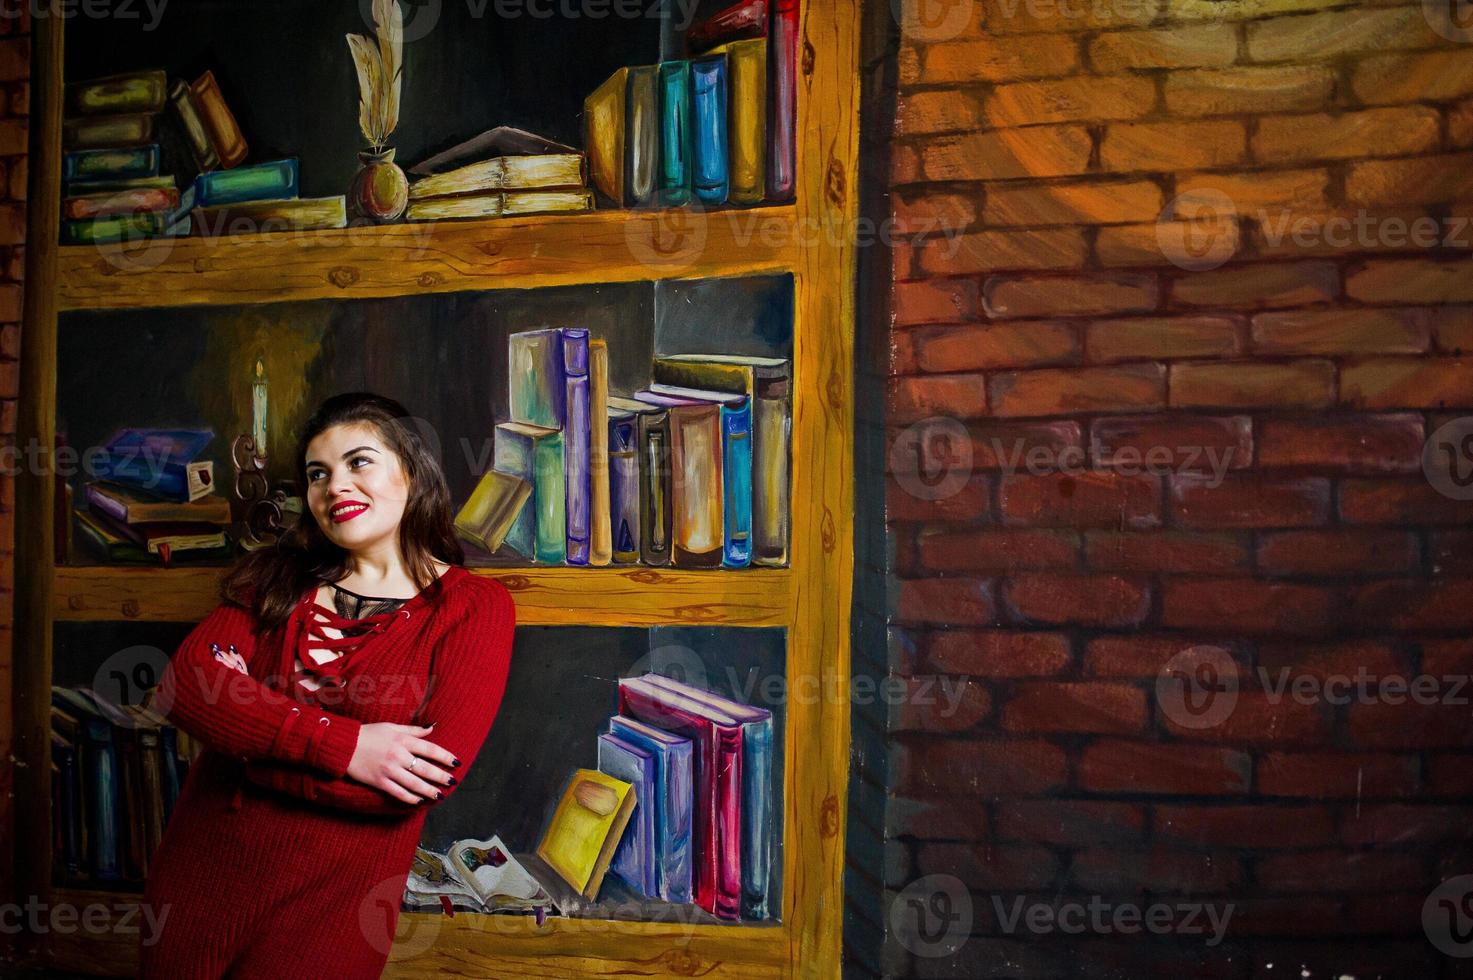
(471, 669)
(234, 713)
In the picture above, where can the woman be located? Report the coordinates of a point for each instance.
(352, 671)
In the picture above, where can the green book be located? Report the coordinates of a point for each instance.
(138, 91)
(534, 453)
(122, 227)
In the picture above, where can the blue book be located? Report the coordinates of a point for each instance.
(675, 794)
(709, 156)
(535, 453)
(577, 444)
(274, 180)
(675, 172)
(537, 389)
(736, 469)
(634, 857)
(101, 788)
(759, 830)
(162, 462)
(134, 161)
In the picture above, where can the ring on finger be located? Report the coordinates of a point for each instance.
(412, 764)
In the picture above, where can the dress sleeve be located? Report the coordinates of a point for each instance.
(234, 713)
(471, 670)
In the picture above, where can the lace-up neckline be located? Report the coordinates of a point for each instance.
(321, 630)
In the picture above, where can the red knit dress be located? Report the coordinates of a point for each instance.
(274, 865)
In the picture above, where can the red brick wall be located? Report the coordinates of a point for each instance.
(1130, 226)
(15, 98)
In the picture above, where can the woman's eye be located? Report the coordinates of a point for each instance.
(359, 459)
(314, 475)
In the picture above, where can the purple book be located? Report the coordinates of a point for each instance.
(634, 858)
(577, 448)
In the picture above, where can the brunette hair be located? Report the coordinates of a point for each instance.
(272, 580)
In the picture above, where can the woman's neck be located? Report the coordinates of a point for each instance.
(381, 573)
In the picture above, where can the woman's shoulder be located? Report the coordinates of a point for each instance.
(479, 596)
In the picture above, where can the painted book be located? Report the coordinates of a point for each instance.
(624, 482)
(746, 70)
(655, 507)
(111, 164)
(634, 857)
(696, 527)
(782, 100)
(674, 802)
(708, 109)
(601, 544)
(717, 739)
(534, 454)
(108, 204)
(537, 389)
(219, 122)
(621, 130)
(746, 19)
(134, 507)
(137, 91)
(187, 135)
(162, 462)
(577, 444)
(759, 807)
(517, 150)
(114, 228)
(499, 205)
(676, 172)
(258, 217)
(108, 132)
(273, 180)
(477, 874)
(81, 188)
(544, 171)
(165, 538)
(766, 381)
(493, 507)
(736, 469)
(585, 828)
(101, 786)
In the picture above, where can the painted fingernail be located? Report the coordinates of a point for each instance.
(453, 780)
(455, 763)
(439, 795)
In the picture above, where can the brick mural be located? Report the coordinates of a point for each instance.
(1180, 441)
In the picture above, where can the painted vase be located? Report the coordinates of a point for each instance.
(380, 191)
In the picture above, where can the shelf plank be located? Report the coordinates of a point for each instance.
(471, 945)
(627, 596)
(428, 257)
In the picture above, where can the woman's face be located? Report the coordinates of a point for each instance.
(356, 487)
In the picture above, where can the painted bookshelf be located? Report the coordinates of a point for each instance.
(808, 240)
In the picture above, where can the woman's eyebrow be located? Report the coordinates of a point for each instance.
(313, 462)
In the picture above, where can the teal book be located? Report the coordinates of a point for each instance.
(676, 172)
(535, 453)
(272, 181)
(537, 382)
(119, 164)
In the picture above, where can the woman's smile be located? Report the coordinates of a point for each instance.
(347, 510)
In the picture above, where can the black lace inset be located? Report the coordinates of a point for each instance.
(351, 605)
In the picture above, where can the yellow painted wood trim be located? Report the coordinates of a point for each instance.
(429, 257)
(633, 596)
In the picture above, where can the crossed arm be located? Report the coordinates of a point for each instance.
(471, 667)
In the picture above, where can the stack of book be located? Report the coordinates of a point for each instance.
(703, 828)
(681, 809)
(691, 471)
(716, 128)
(116, 775)
(500, 173)
(134, 140)
(155, 500)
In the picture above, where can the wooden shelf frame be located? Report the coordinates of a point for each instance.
(813, 239)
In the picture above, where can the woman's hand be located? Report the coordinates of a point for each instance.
(385, 753)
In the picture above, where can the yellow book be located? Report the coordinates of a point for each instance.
(746, 67)
(601, 537)
(585, 829)
(540, 171)
(499, 205)
(603, 135)
(488, 515)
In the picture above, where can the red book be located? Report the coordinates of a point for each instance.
(782, 101)
(717, 825)
(740, 21)
(141, 200)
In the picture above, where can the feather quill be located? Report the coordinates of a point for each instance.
(389, 22)
(370, 72)
(380, 66)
